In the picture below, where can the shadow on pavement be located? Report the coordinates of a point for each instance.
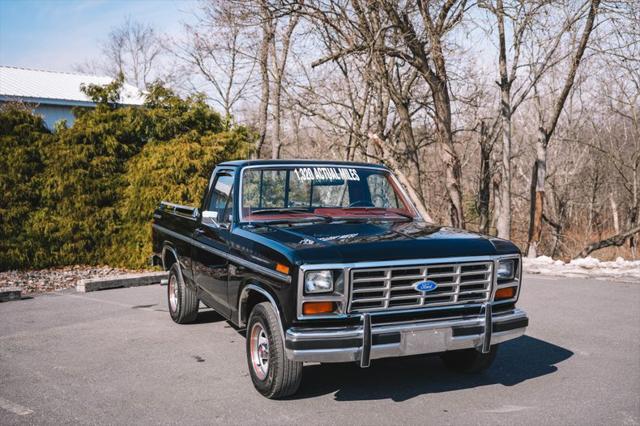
(400, 379)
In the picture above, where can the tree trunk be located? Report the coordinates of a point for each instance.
(280, 68)
(263, 60)
(557, 233)
(276, 141)
(406, 130)
(635, 208)
(347, 154)
(438, 82)
(537, 194)
(404, 181)
(453, 170)
(616, 240)
(614, 214)
(484, 190)
(496, 185)
(503, 225)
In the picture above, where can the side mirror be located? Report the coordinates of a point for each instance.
(211, 218)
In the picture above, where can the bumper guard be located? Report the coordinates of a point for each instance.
(366, 341)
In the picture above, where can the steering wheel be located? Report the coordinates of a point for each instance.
(362, 203)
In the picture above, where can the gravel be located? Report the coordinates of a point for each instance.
(55, 279)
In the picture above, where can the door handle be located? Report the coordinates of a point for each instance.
(198, 231)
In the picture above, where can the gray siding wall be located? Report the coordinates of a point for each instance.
(51, 113)
(54, 113)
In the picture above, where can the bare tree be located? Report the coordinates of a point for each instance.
(133, 50)
(425, 51)
(215, 51)
(267, 27)
(616, 124)
(382, 121)
(280, 51)
(545, 132)
(414, 33)
(484, 183)
(273, 24)
(519, 15)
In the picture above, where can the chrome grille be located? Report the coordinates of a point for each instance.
(376, 289)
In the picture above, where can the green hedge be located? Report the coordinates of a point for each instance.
(23, 138)
(85, 194)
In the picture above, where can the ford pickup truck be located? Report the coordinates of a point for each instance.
(331, 262)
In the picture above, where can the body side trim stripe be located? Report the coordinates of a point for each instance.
(243, 262)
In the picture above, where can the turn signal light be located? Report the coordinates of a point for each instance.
(282, 268)
(314, 308)
(506, 293)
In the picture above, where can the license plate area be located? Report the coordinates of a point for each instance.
(425, 341)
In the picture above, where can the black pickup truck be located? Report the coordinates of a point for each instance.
(331, 262)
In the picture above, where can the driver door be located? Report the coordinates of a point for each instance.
(211, 267)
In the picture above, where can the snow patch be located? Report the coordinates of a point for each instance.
(620, 269)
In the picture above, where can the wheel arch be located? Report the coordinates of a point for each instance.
(252, 294)
(169, 256)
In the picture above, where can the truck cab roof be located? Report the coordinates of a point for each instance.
(244, 163)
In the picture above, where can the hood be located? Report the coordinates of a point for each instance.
(378, 241)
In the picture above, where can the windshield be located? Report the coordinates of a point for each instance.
(291, 193)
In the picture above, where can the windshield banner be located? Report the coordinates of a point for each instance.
(326, 173)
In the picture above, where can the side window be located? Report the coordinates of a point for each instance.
(220, 205)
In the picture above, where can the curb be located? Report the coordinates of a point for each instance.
(120, 281)
(8, 294)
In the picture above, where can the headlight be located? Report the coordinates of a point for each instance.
(506, 269)
(318, 282)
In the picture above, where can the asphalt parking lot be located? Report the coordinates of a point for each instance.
(115, 357)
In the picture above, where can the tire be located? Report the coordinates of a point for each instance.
(469, 361)
(182, 301)
(278, 377)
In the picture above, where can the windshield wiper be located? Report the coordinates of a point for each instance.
(382, 210)
(294, 211)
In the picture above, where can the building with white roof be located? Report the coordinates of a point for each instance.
(54, 94)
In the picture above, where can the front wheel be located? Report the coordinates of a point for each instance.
(272, 373)
(469, 360)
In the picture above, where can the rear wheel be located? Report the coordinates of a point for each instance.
(469, 360)
(182, 301)
(272, 373)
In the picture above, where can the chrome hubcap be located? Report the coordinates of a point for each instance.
(259, 344)
(173, 293)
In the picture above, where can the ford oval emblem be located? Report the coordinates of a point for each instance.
(425, 286)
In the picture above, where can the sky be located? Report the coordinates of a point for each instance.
(58, 34)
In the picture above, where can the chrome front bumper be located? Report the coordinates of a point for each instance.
(366, 341)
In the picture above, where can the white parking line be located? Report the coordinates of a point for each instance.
(95, 299)
(14, 408)
(506, 409)
(111, 302)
